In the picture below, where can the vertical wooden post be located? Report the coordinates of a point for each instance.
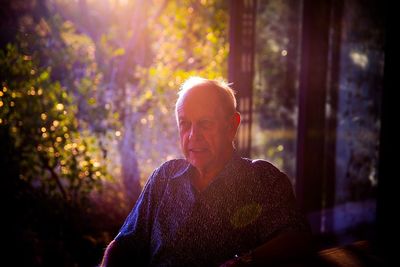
(241, 65)
(313, 158)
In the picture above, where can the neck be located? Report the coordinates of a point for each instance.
(203, 177)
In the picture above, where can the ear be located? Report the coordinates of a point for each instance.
(235, 122)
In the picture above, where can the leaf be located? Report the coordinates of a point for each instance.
(119, 52)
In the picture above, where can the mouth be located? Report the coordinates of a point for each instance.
(197, 150)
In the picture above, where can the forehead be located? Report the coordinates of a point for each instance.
(203, 100)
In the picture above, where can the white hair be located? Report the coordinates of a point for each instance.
(225, 92)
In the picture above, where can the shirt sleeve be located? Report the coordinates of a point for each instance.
(135, 234)
(281, 212)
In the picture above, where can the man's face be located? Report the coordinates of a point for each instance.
(206, 132)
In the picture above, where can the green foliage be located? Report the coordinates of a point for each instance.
(275, 86)
(145, 50)
(189, 38)
(87, 94)
(40, 116)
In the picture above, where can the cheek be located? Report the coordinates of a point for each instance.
(213, 139)
(222, 138)
(183, 139)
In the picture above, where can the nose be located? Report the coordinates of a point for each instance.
(194, 132)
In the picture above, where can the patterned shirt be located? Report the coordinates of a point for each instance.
(173, 224)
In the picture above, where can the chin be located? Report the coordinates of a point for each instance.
(199, 164)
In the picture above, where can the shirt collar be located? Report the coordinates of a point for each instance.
(183, 171)
(229, 167)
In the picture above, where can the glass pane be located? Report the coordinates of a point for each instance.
(276, 83)
(358, 115)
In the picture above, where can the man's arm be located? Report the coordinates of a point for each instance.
(114, 255)
(123, 252)
(292, 239)
(284, 229)
(130, 246)
(290, 247)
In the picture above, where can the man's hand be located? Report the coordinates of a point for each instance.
(232, 263)
(244, 260)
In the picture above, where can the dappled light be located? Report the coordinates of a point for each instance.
(276, 83)
(87, 110)
(86, 106)
(359, 59)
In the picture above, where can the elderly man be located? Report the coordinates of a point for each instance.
(212, 208)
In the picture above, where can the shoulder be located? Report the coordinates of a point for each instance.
(161, 176)
(262, 171)
(260, 165)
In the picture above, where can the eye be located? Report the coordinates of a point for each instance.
(184, 125)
